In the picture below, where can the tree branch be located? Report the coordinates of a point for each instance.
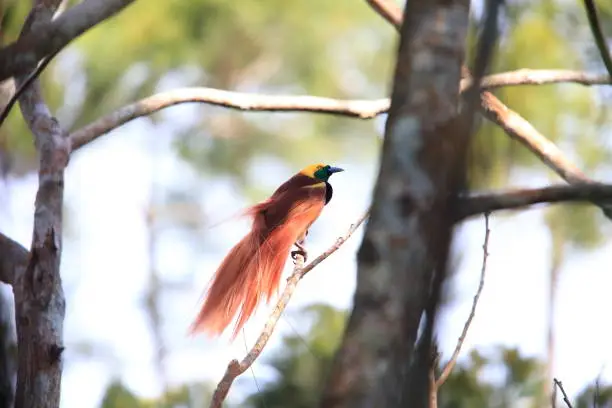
(484, 203)
(234, 100)
(48, 37)
(511, 122)
(235, 368)
(559, 384)
(521, 130)
(450, 364)
(39, 298)
(600, 39)
(540, 77)
(362, 109)
(13, 257)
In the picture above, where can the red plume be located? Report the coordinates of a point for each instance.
(254, 266)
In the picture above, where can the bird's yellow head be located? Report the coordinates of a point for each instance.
(320, 171)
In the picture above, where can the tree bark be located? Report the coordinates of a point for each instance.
(410, 228)
(39, 297)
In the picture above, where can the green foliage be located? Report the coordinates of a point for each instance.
(594, 396)
(470, 384)
(118, 396)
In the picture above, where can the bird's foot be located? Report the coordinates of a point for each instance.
(301, 250)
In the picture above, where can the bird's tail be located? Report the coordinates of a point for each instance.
(251, 269)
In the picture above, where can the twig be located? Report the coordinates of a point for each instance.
(487, 202)
(389, 10)
(433, 388)
(48, 38)
(235, 368)
(553, 398)
(600, 40)
(450, 364)
(559, 384)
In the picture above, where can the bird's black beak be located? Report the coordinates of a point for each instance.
(333, 170)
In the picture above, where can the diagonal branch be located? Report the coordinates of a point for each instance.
(508, 200)
(49, 37)
(522, 131)
(450, 364)
(235, 368)
(559, 384)
(600, 39)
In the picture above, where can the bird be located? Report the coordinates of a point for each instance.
(253, 267)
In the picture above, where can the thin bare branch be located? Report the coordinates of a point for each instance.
(49, 37)
(235, 368)
(521, 130)
(540, 77)
(600, 39)
(433, 388)
(234, 100)
(450, 364)
(513, 199)
(389, 10)
(13, 257)
(559, 384)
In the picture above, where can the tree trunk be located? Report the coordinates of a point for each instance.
(408, 235)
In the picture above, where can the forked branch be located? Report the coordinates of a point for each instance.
(49, 37)
(235, 367)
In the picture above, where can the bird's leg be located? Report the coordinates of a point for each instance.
(301, 249)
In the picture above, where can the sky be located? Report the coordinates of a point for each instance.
(105, 267)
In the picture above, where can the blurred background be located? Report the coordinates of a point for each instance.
(151, 207)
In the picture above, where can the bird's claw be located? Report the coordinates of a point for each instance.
(301, 250)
